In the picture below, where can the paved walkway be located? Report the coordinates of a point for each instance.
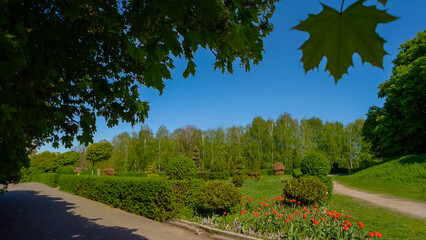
(36, 211)
(414, 209)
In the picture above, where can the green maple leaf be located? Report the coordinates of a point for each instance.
(338, 35)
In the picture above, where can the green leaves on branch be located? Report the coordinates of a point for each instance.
(338, 35)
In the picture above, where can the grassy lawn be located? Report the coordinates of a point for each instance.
(402, 177)
(391, 224)
(266, 187)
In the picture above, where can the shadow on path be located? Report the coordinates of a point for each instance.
(30, 215)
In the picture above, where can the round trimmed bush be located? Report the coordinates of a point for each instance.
(308, 189)
(219, 196)
(181, 168)
(65, 170)
(315, 164)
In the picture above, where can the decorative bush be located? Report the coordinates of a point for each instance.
(219, 196)
(253, 175)
(155, 198)
(307, 189)
(278, 168)
(108, 172)
(181, 168)
(328, 181)
(65, 170)
(50, 179)
(297, 173)
(297, 162)
(239, 175)
(152, 171)
(315, 164)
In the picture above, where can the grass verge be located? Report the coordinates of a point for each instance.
(402, 177)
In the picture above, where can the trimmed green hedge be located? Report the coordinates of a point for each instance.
(159, 199)
(213, 175)
(50, 179)
(137, 174)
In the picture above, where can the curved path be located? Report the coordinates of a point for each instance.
(415, 209)
(36, 211)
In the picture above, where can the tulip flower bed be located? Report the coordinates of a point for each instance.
(282, 218)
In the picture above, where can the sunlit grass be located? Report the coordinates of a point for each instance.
(403, 177)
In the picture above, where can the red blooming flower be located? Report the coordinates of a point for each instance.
(329, 214)
(370, 234)
(298, 203)
(257, 215)
(316, 222)
(244, 204)
(322, 218)
(287, 221)
(315, 205)
(360, 224)
(290, 216)
(377, 234)
(266, 213)
(297, 212)
(305, 216)
(251, 200)
(266, 205)
(259, 209)
(224, 213)
(279, 216)
(347, 216)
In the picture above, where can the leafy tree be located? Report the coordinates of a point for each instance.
(43, 162)
(64, 63)
(69, 158)
(98, 152)
(399, 128)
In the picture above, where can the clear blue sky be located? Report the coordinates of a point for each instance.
(278, 84)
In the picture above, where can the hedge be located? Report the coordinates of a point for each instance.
(271, 172)
(50, 179)
(137, 174)
(159, 199)
(213, 175)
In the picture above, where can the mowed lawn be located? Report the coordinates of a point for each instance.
(392, 225)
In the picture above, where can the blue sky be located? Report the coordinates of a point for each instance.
(278, 84)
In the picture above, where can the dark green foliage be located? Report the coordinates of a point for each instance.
(297, 173)
(68, 158)
(181, 168)
(297, 162)
(213, 175)
(130, 174)
(152, 171)
(196, 157)
(399, 128)
(63, 64)
(218, 166)
(155, 198)
(65, 170)
(315, 164)
(219, 196)
(230, 166)
(308, 189)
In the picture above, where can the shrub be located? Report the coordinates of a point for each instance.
(315, 164)
(181, 168)
(308, 189)
(65, 170)
(297, 162)
(130, 174)
(156, 198)
(50, 179)
(253, 175)
(219, 196)
(239, 175)
(152, 171)
(297, 173)
(278, 168)
(328, 181)
(108, 172)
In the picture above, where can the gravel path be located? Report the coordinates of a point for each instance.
(414, 209)
(36, 211)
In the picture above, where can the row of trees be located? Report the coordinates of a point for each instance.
(260, 144)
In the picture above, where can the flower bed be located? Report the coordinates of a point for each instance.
(282, 218)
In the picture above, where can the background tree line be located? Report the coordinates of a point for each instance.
(259, 144)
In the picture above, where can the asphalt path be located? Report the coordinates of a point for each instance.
(36, 211)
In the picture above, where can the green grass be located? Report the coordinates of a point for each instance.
(266, 187)
(402, 177)
(391, 224)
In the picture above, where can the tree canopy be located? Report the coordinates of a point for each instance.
(98, 152)
(399, 127)
(63, 63)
